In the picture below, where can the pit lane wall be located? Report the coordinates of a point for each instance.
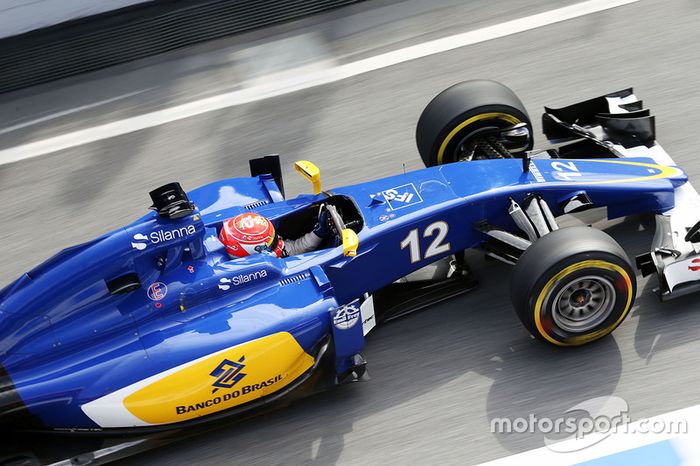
(20, 16)
(88, 38)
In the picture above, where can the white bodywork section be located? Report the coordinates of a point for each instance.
(675, 264)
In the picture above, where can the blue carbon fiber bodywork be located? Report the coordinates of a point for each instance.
(66, 341)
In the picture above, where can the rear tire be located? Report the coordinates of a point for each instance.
(460, 110)
(573, 286)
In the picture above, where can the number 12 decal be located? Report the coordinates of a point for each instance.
(436, 247)
(565, 170)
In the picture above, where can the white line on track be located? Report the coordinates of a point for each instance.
(305, 80)
(53, 116)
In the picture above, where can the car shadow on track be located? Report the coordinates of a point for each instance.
(661, 326)
(664, 326)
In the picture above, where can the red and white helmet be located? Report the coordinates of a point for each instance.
(250, 233)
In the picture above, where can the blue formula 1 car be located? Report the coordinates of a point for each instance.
(154, 326)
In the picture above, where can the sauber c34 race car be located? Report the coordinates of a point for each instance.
(154, 326)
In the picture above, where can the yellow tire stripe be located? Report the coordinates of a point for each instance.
(567, 271)
(484, 116)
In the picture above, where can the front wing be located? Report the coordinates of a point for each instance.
(617, 125)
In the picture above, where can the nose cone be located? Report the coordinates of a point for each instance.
(14, 415)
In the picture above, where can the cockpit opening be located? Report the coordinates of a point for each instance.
(299, 223)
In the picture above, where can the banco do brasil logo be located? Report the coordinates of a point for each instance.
(228, 374)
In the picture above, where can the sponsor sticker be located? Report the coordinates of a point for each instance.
(347, 316)
(402, 196)
(141, 241)
(157, 291)
(367, 314)
(536, 173)
(695, 268)
(228, 378)
(138, 244)
(230, 396)
(225, 284)
(683, 271)
(228, 373)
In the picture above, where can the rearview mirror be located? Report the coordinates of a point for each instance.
(516, 139)
(311, 172)
(693, 235)
(350, 242)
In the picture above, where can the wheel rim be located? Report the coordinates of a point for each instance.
(583, 304)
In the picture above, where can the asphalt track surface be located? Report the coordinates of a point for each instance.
(440, 376)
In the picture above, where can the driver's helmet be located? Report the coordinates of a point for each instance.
(250, 233)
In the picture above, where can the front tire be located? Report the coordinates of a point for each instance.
(573, 286)
(448, 121)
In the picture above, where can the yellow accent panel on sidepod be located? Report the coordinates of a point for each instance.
(271, 363)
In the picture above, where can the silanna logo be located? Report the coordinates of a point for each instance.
(228, 374)
(141, 241)
(225, 283)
